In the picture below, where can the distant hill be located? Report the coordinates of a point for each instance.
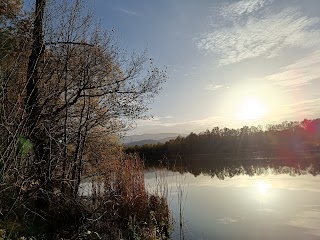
(148, 138)
(141, 143)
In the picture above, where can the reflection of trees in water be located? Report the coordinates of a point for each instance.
(218, 167)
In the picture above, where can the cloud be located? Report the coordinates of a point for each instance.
(242, 7)
(301, 109)
(212, 87)
(299, 73)
(165, 124)
(210, 122)
(304, 108)
(127, 11)
(262, 34)
(311, 102)
(156, 121)
(227, 220)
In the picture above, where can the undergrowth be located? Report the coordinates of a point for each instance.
(112, 205)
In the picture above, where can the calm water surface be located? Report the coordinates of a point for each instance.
(268, 205)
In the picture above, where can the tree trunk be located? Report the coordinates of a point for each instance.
(33, 77)
(37, 169)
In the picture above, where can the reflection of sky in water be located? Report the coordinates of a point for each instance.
(243, 207)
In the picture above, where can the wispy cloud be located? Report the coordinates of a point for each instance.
(127, 11)
(308, 108)
(212, 87)
(315, 102)
(227, 220)
(242, 7)
(299, 73)
(165, 124)
(252, 35)
(156, 121)
(304, 108)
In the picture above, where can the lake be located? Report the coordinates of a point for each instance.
(275, 199)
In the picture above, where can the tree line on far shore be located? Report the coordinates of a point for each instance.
(280, 139)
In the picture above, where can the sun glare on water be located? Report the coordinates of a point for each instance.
(263, 187)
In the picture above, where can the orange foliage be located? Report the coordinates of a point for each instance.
(10, 8)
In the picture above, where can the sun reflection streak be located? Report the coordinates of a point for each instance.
(263, 187)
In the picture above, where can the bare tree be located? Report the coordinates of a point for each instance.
(76, 86)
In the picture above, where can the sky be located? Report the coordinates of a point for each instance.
(229, 63)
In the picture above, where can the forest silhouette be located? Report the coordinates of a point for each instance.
(289, 140)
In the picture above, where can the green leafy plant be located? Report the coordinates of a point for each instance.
(25, 145)
(2, 234)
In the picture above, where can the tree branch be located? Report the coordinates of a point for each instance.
(69, 43)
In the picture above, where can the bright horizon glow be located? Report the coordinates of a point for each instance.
(251, 109)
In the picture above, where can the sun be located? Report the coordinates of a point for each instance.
(252, 109)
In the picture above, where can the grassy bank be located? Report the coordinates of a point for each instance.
(112, 205)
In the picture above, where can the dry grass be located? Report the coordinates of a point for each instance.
(121, 203)
(118, 206)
